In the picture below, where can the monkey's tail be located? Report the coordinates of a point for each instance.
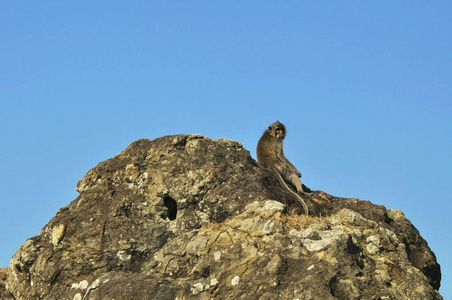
(305, 207)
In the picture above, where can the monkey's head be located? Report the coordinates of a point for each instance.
(277, 130)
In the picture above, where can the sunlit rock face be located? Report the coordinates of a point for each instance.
(188, 217)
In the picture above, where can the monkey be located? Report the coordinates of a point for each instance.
(271, 156)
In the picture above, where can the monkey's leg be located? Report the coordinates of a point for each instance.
(296, 182)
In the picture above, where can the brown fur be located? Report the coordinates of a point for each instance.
(270, 155)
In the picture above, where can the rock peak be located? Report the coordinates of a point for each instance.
(188, 217)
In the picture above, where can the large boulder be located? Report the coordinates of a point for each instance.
(188, 217)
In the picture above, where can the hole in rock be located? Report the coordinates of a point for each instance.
(171, 204)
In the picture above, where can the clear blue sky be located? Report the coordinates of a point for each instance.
(365, 90)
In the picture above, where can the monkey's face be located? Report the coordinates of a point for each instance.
(277, 130)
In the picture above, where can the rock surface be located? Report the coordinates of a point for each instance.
(4, 295)
(188, 217)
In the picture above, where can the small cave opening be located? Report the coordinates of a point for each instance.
(171, 205)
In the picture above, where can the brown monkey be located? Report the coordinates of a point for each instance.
(271, 156)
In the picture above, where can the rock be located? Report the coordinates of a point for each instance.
(188, 217)
(4, 295)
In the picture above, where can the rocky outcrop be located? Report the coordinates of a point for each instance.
(187, 217)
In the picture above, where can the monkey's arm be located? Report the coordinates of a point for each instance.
(287, 163)
(292, 168)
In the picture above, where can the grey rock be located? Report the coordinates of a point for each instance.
(188, 217)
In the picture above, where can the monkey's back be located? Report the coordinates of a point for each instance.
(265, 150)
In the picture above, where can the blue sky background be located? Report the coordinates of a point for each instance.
(364, 88)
